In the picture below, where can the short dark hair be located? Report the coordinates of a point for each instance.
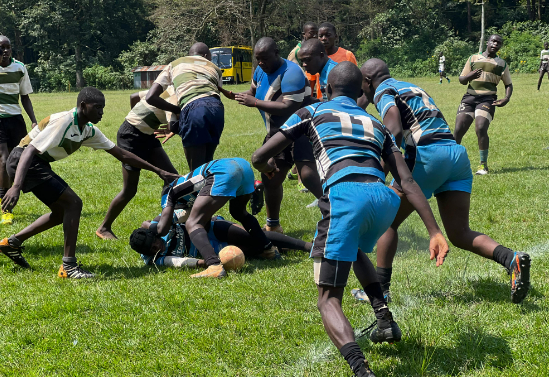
(266, 44)
(309, 24)
(89, 94)
(346, 78)
(141, 241)
(327, 25)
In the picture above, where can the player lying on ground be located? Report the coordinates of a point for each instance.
(176, 249)
(440, 166)
(55, 138)
(203, 192)
(136, 135)
(357, 207)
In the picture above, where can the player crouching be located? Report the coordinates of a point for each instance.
(205, 191)
(55, 138)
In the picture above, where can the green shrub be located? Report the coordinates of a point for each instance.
(106, 78)
(56, 73)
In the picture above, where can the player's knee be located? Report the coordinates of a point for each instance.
(129, 192)
(457, 235)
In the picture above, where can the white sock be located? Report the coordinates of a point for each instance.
(179, 262)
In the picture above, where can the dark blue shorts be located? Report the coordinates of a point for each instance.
(202, 121)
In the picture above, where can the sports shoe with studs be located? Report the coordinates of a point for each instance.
(301, 187)
(364, 370)
(257, 200)
(67, 271)
(482, 169)
(215, 271)
(14, 253)
(360, 295)
(520, 277)
(277, 228)
(270, 253)
(292, 176)
(7, 218)
(389, 334)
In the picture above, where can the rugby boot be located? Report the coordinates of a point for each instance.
(14, 253)
(270, 253)
(360, 295)
(214, 271)
(258, 199)
(520, 277)
(364, 370)
(301, 188)
(7, 218)
(291, 176)
(74, 271)
(277, 228)
(482, 169)
(390, 333)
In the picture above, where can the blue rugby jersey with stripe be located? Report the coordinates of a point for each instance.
(287, 82)
(323, 78)
(422, 121)
(346, 139)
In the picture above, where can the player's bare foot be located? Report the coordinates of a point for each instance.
(105, 234)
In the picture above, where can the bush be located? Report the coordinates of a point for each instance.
(106, 78)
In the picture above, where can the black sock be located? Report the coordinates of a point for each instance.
(14, 241)
(252, 226)
(353, 355)
(503, 256)
(384, 275)
(273, 222)
(200, 240)
(69, 261)
(375, 294)
(284, 242)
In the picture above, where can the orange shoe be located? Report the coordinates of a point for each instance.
(14, 253)
(215, 271)
(277, 229)
(74, 272)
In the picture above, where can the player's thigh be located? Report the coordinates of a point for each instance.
(454, 209)
(130, 178)
(459, 176)
(203, 209)
(159, 158)
(237, 206)
(331, 273)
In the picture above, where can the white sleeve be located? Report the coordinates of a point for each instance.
(25, 86)
(98, 141)
(50, 137)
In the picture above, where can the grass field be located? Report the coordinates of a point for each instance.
(132, 320)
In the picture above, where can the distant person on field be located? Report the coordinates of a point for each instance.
(357, 207)
(279, 88)
(136, 135)
(316, 62)
(543, 63)
(14, 82)
(328, 36)
(201, 113)
(482, 73)
(55, 138)
(310, 30)
(442, 67)
(440, 167)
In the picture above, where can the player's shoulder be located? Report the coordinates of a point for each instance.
(18, 63)
(389, 86)
(499, 61)
(292, 68)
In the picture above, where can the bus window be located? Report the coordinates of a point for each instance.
(222, 57)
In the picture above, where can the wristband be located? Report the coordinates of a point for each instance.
(231, 92)
(255, 104)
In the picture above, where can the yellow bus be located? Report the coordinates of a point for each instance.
(235, 62)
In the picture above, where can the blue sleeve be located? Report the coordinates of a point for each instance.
(293, 83)
(297, 125)
(384, 99)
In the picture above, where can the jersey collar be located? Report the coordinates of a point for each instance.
(343, 99)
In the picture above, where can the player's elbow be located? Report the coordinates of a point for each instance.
(258, 159)
(463, 80)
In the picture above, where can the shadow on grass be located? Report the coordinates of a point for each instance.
(257, 264)
(519, 169)
(109, 272)
(299, 234)
(471, 349)
(409, 240)
(33, 251)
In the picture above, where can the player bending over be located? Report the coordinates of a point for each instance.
(203, 192)
(482, 73)
(136, 135)
(55, 138)
(176, 249)
(357, 207)
(440, 166)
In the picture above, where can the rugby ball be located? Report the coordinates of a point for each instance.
(232, 258)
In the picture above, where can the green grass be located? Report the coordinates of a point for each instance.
(133, 320)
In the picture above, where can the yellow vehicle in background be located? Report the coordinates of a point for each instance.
(235, 63)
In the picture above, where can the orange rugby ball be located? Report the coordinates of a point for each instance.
(232, 258)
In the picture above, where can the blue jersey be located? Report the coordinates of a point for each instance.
(346, 139)
(287, 82)
(323, 79)
(422, 121)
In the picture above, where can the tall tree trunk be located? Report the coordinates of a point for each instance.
(469, 17)
(78, 61)
(529, 10)
(481, 45)
(539, 9)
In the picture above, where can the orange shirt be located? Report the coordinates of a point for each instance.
(341, 55)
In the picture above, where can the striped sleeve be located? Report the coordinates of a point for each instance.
(384, 100)
(389, 145)
(506, 76)
(467, 68)
(25, 86)
(293, 83)
(297, 124)
(98, 141)
(165, 78)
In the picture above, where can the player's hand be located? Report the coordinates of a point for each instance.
(438, 247)
(34, 125)
(475, 74)
(10, 199)
(270, 169)
(245, 99)
(501, 102)
(163, 132)
(167, 176)
(226, 93)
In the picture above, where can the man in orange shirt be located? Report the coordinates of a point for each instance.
(328, 36)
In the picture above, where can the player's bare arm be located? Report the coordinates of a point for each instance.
(12, 196)
(153, 98)
(262, 158)
(393, 122)
(464, 80)
(165, 222)
(438, 247)
(134, 99)
(285, 107)
(131, 159)
(166, 131)
(508, 93)
(27, 105)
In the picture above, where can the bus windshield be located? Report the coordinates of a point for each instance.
(223, 59)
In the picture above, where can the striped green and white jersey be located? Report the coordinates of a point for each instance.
(193, 77)
(14, 81)
(493, 70)
(544, 55)
(147, 118)
(59, 135)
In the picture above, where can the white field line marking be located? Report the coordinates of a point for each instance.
(246, 134)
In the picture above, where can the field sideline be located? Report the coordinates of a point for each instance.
(132, 320)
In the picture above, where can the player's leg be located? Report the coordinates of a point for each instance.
(5, 182)
(309, 177)
(482, 123)
(274, 194)
(199, 155)
(541, 74)
(463, 122)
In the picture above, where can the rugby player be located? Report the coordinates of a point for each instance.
(15, 83)
(203, 192)
(442, 67)
(440, 166)
(328, 36)
(136, 135)
(278, 89)
(543, 63)
(55, 138)
(357, 207)
(316, 62)
(201, 112)
(482, 73)
(309, 31)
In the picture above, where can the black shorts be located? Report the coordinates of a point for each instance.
(299, 150)
(544, 67)
(132, 140)
(478, 106)
(40, 179)
(330, 272)
(202, 122)
(12, 130)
